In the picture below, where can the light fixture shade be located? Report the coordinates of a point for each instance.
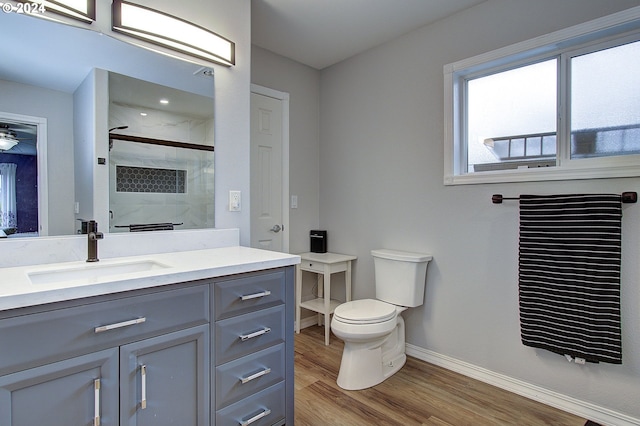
(171, 32)
(82, 10)
(6, 143)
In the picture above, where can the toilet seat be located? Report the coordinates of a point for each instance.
(365, 311)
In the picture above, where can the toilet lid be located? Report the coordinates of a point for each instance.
(365, 311)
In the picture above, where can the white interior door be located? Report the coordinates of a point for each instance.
(269, 170)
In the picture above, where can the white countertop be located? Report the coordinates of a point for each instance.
(17, 290)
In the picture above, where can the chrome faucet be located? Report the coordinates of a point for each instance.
(92, 238)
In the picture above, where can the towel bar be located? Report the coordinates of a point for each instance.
(626, 198)
(149, 226)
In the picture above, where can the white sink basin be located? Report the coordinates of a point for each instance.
(92, 272)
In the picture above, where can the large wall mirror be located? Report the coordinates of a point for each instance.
(163, 161)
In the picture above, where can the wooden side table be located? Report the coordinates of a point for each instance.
(323, 264)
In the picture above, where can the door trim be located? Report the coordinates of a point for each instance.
(284, 98)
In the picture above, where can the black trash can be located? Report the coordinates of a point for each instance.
(318, 241)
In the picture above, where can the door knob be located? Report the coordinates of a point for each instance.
(276, 228)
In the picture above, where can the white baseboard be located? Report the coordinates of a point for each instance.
(563, 402)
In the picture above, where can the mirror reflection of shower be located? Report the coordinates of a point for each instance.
(160, 158)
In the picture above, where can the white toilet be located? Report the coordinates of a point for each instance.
(373, 330)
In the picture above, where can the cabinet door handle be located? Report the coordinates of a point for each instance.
(264, 330)
(96, 404)
(255, 418)
(247, 379)
(108, 327)
(255, 295)
(143, 386)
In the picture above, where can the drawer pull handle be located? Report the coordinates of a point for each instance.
(245, 337)
(254, 376)
(96, 404)
(255, 295)
(143, 386)
(103, 328)
(255, 418)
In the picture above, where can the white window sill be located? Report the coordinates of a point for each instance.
(539, 174)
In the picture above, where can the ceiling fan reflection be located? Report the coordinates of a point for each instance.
(12, 134)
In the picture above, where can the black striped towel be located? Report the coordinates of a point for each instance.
(569, 275)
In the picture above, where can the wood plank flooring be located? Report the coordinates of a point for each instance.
(419, 394)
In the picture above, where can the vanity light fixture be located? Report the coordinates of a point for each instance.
(171, 32)
(81, 10)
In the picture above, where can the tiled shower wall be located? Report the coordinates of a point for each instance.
(192, 205)
(158, 184)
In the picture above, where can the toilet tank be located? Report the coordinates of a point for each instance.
(400, 276)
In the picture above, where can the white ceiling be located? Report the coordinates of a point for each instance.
(320, 33)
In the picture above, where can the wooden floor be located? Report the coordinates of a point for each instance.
(419, 394)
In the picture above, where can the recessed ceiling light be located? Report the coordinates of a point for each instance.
(144, 114)
(164, 101)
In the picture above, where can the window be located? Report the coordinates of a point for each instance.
(511, 117)
(563, 106)
(605, 102)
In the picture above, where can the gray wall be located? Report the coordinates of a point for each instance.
(381, 173)
(382, 133)
(85, 101)
(303, 85)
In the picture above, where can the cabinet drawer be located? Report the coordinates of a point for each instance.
(54, 335)
(310, 265)
(244, 334)
(240, 378)
(248, 293)
(263, 408)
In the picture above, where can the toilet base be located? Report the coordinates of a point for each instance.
(366, 364)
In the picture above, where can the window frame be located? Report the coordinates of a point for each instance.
(609, 31)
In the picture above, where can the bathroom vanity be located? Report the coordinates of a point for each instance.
(199, 337)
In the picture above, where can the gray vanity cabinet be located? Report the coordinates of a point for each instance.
(253, 348)
(79, 363)
(154, 356)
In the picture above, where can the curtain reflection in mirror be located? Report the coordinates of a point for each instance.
(8, 212)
